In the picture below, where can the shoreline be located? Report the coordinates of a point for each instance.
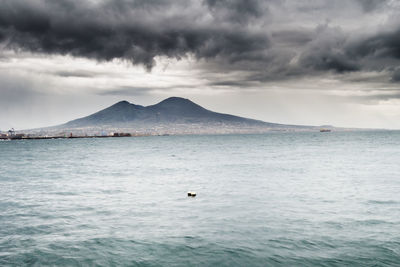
(9, 138)
(64, 137)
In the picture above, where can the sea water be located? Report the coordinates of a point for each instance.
(278, 199)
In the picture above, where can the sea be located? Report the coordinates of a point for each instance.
(275, 199)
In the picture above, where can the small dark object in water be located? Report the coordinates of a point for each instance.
(191, 194)
(325, 130)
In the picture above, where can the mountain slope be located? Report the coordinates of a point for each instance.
(173, 115)
(171, 110)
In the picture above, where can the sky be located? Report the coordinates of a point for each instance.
(315, 62)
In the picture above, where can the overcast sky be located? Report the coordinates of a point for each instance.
(309, 62)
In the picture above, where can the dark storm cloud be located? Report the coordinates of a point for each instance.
(333, 49)
(396, 76)
(328, 58)
(382, 45)
(328, 51)
(236, 11)
(137, 31)
(379, 52)
(270, 39)
(296, 37)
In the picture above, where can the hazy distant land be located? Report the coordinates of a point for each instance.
(173, 115)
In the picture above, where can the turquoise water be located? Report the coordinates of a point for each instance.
(291, 199)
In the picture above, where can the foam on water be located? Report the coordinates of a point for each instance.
(300, 199)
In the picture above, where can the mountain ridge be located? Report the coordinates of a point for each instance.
(170, 110)
(173, 115)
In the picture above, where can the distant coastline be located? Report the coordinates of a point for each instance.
(172, 116)
(29, 137)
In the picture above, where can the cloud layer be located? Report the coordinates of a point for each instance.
(137, 31)
(279, 39)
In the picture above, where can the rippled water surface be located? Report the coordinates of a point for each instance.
(298, 199)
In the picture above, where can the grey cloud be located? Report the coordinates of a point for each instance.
(373, 98)
(333, 49)
(381, 45)
(230, 83)
(395, 95)
(139, 91)
(237, 11)
(136, 31)
(396, 76)
(76, 74)
(371, 5)
(329, 60)
(269, 39)
(327, 51)
(379, 52)
(127, 91)
(295, 37)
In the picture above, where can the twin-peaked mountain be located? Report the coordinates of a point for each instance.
(172, 110)
(172, 115)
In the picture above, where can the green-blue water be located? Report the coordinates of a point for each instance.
(292, 199)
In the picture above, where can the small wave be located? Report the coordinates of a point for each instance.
(61, 193)
(372, 222)
(382, 202)
(109, 191)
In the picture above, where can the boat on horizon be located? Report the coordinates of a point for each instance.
(325, 130)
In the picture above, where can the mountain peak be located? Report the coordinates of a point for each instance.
(172, 111)
(176, 100)
(122, 103)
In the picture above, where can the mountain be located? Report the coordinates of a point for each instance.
(171, 110)
(173, 115)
